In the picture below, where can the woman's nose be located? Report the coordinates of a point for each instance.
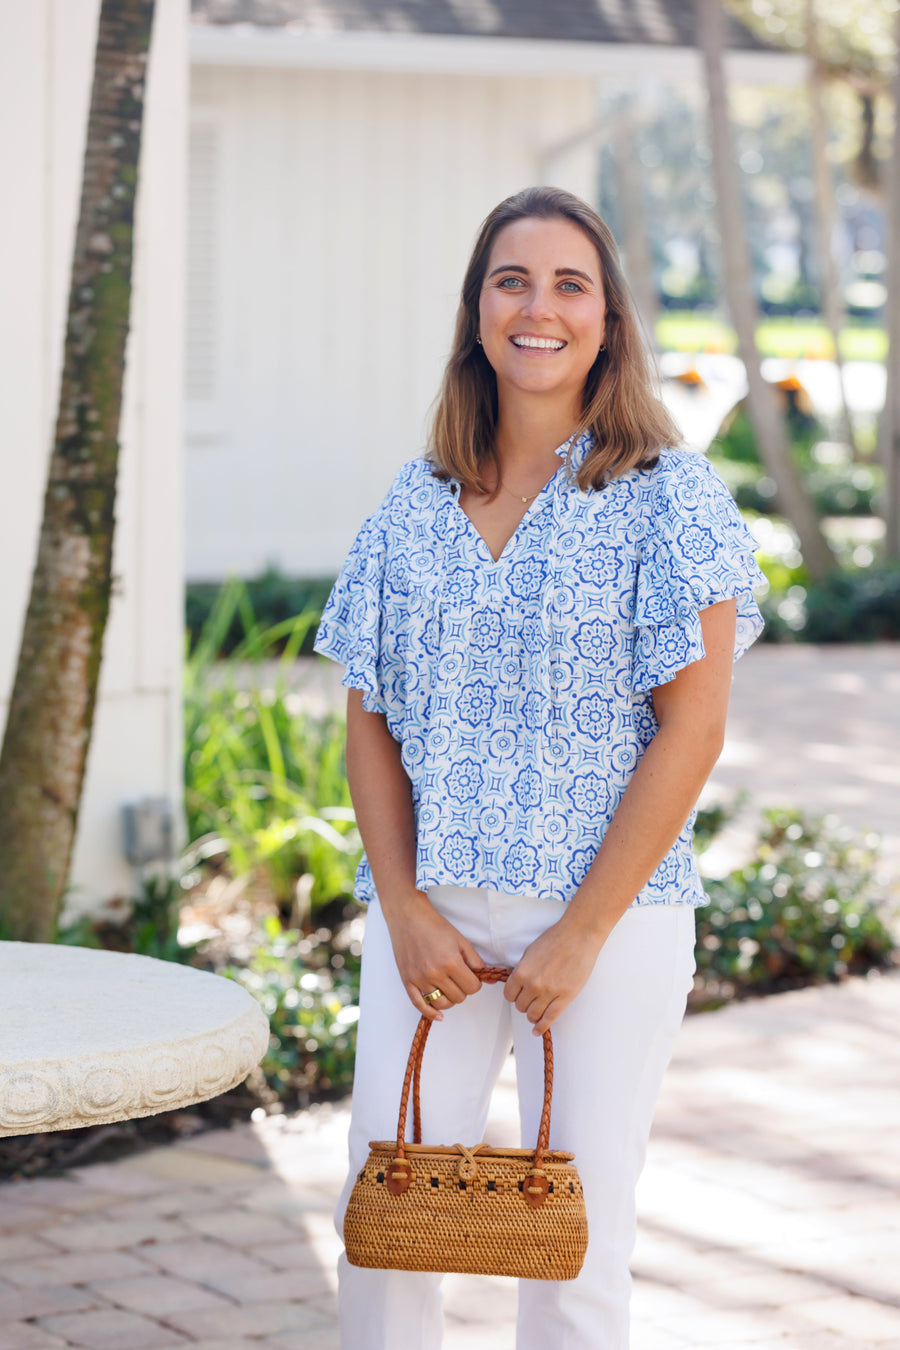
(539, 303)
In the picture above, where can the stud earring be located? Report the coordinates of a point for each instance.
(478, 340)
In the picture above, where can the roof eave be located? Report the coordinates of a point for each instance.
(433, 54)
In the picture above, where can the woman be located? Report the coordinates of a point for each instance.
(539, 625)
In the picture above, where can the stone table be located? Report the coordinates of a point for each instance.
(88, 1037)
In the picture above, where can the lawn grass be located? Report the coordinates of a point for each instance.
(688, 331)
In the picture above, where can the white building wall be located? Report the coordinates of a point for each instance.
(332, 214)
(46, 68)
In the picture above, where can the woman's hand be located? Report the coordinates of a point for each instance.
(431, 954)
(552, 971)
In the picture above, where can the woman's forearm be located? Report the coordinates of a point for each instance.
(382, 799)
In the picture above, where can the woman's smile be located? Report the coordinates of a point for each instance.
(532, 342)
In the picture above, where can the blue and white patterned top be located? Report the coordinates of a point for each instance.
(519, 689)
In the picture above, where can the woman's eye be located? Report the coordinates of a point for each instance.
(514, 283)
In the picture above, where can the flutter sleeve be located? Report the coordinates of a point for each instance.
(697, 551)
(350, 627)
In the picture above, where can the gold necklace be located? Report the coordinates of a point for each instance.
(517, 495)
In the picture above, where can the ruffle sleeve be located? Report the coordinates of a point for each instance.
(697, 551)
(350, 627)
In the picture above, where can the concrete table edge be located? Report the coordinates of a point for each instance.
(101, 1085)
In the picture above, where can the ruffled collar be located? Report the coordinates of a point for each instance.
(576, 449)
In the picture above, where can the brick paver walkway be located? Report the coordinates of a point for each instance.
(769, 1211)
(819, 727)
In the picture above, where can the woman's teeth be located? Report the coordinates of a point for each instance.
(545, 344)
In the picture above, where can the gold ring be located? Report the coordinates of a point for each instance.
(433, 996)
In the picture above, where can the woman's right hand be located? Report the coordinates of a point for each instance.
(430, 954)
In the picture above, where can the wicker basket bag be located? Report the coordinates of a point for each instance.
(479, 1210)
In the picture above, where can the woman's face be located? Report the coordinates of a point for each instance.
(542, 311)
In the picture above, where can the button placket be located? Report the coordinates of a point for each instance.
(552, 625)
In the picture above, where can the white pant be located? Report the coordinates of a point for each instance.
(611, 1047)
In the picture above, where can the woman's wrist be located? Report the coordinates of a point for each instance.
(401, 899)
(586, 917)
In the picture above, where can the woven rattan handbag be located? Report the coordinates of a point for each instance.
(480, 1210)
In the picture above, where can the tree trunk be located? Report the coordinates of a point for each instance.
(765, 415)
(825, 216)
(890, 419)
(635, 240)
(52, 706)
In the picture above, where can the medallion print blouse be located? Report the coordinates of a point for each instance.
(519, 690)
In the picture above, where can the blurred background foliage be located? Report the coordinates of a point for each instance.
(856, 36)
(773, 146)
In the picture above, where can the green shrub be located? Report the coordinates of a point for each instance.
(853, 605)
(265, 783)
(837, 485)
(711, 820)
(804, 909)
(836, 490)
(841, 489)
(845, 489)
(735, 442)
(274, 599)
(308, 987)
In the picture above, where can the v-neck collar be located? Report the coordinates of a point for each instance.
(572, 452)
(540, 503)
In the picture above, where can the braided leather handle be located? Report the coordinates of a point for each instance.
(487, 975)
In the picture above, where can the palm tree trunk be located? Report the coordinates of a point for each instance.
(825, 216)
(52, 706)
(890, 421)
(768, 423)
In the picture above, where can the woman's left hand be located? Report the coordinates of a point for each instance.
(553, 969)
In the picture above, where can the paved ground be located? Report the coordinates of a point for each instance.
(769, 1213)
(769, 1207)
(819, 727)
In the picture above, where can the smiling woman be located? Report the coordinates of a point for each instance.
(545, 271)
(538, 625)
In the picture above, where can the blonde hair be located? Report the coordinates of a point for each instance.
(629, 422)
